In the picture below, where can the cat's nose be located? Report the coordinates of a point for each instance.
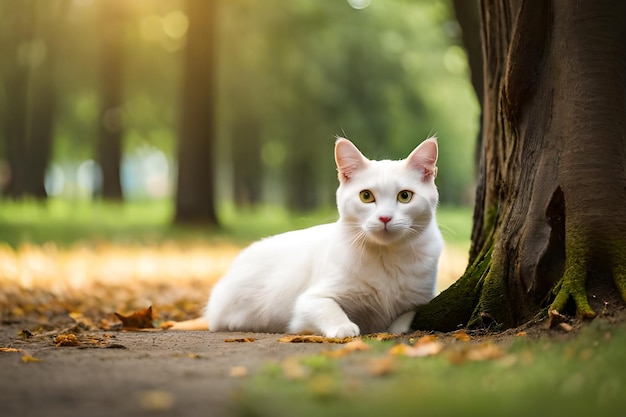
(384, 219)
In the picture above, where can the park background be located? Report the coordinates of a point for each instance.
(92, 102)
(99, 115)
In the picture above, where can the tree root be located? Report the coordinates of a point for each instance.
(618, 267)
(571, 288)
(453, 308)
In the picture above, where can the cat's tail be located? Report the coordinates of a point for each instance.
(194, 324)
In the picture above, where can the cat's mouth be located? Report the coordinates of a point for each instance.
(385, 234)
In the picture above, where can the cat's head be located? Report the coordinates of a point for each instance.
(386, 201)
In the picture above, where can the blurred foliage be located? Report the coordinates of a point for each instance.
(71, 222)
(293, 74)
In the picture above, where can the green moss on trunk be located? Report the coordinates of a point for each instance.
(618, 266)
(453, 307)
(493, 309)
(571, 287)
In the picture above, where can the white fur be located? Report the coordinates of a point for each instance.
(351, 277)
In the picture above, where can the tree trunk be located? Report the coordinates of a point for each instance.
(196, 188)
(466, 12)
(550, 218)
(30, 89)
(110, 127)
(246, 155)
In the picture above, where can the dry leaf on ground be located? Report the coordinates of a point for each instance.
(238, 372)
(381, 366)
(356, 345)
(240, 340)
(141, 319)
(479, 352)
(9, 349)
(28, 358)
(461, 335)
(417, 351)
(313, 339)
(66, 340)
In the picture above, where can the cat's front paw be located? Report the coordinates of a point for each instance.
(345, 330)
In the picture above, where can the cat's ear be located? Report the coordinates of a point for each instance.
(424, 157)
(348, 158)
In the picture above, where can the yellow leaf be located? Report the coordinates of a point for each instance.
(156, 400)
(311, 338)
(28, 358)
(381, 366)
(240, 340)
(357, 345)
(417, 351)
(7, 349)
(238, 372)
(382, 336)
(293, 369)
(66, 340)
(399, 349)
(461, 335)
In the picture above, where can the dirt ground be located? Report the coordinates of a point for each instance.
(47, 288)
(133, 373)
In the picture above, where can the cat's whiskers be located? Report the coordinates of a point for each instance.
(359, 242)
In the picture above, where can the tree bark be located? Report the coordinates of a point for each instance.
(550, 218)
(466, 12)
(195, 188)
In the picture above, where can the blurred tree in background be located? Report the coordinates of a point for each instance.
(196, 142)
(30, 42)
(112, 28)
(103, 82)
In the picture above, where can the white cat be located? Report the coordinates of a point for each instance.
(355, 276)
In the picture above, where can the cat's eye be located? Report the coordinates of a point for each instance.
(405, 196)
(366, 196)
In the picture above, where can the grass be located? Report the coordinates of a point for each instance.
(67, 222)
(580, 376)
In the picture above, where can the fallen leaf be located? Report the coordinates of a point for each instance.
(156, 400)
(417, 351)
(141, 319)
(425, 340)
(382, 336)
(8, 349)
(313, 339)
(555, 319)
(240, 340)
(381, 366)
(480, 352)
(28, 358)
(566, 327)
(293, 369)
(238, 372)
(356, 345)
(461, 335)
(66, 340)
(485, 352)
